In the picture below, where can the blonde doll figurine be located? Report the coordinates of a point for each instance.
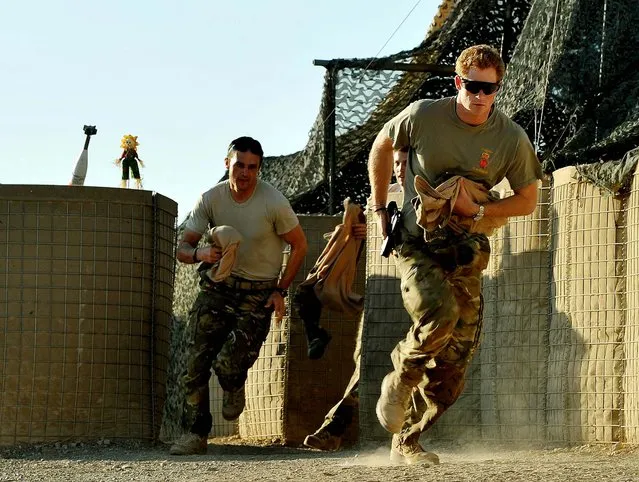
(129, 160)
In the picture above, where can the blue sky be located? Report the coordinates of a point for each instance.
(185, 77)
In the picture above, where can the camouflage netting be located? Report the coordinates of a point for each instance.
(572, 83)
(366, 99)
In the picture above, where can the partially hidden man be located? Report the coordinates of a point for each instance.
(460, 147)
(231, 318)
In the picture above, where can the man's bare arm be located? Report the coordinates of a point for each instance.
(380, 172)
(522, 203)
(297, 240)
(380, 168)
(189, 253)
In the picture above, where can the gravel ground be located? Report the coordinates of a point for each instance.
(231, 459)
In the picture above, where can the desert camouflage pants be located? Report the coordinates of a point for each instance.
(441, 290)
(226, 331)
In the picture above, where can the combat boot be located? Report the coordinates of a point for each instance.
(393, 402)
(189, 444)
(318, 345)
(322, 439)
(233, 404)
(408, 451)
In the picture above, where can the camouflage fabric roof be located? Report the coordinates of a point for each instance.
(571, 83)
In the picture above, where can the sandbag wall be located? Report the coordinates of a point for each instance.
(630, 380)
(586, 359)
(86, 284)
(513, 355)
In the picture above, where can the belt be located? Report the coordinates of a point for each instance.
(437, 233)
(237, 283)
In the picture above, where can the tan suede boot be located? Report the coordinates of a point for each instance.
(408, 451)
(189, 444)
(322, 439)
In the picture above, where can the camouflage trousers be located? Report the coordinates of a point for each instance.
(226, 330)
(441, 290)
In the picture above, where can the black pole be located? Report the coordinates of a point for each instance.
(329, 137)
(507, 36)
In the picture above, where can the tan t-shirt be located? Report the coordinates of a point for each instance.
(261, 220)
(443, 146)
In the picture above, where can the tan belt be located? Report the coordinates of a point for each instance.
(237, 283)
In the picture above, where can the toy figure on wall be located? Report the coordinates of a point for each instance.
(129, 160)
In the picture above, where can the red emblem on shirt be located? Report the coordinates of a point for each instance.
(485, 157)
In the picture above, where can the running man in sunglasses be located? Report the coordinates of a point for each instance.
(467, 138)
(231, 317)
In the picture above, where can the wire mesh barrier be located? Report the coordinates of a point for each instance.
(86, 283)
(630, 380)
(585, 367)
(513, 355)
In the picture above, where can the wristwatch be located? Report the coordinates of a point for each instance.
(283, 293)
(480, 213)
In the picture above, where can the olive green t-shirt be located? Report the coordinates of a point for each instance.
(443, 146)
(261, 220)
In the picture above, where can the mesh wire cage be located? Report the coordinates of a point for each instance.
(630, 381)
(586, 357)
(86, 283)
(514, 349)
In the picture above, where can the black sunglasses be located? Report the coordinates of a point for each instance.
(474, 86)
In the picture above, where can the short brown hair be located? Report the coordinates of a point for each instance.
(481, 57)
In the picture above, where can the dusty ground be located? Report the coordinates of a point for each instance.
(230, 459)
